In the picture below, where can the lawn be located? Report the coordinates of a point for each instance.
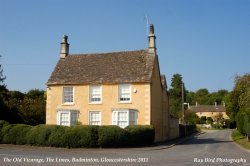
(240, 139)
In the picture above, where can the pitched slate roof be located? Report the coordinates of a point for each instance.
(208, 108)
(114, 67)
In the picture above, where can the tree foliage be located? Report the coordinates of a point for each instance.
(175, 91)
(238, 103)
(27, 108)
(2, 77)
(239, 99)
(204, 97)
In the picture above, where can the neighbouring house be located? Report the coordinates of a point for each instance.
(116, 88)
(213, 111)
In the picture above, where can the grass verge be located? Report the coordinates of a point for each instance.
(240, 139)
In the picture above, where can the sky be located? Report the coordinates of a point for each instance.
(206, 41)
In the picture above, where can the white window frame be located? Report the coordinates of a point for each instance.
(70, 114)
(99, 120)
(120, 93)
(64, 96)
(91, 94)
(127, 120)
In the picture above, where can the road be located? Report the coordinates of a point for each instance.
(211, 148)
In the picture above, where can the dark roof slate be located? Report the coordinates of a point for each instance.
(208, 108)
(114, 67)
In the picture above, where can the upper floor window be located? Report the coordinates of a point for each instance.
(68, 95)
(95, 95)
(125, 93)
(67, 117)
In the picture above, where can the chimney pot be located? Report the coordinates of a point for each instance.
(151, 40)
(64, 47)
(152, 29)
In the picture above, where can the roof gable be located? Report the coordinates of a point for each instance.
(114, 67)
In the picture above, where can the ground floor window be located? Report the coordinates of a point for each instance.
(95, 118)
(124, 117)
(67, 117)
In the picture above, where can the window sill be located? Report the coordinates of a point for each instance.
(95, 103)
(124, 102)
(68, 104)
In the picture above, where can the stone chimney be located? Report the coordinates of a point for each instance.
(151, 40)
(64, 47)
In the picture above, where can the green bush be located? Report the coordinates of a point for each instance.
(140, 135)
(112, 136)
(56, 137)
(203, 120)
(17, 134)
(76, 136)
(5, 134)
(231, 124)
(248, 131)
(39, 135)
(2, 125)
(240, 121)
(81, 136)
(246, 121)
(209, 120)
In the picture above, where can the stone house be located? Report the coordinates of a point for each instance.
(213, 111)
(116, 88)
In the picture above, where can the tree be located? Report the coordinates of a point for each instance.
(175, 91)
(3, 94)
(191, 117)
(190, 98)
(33, 106)
(2, 77)
(202, 96)
(238, 102)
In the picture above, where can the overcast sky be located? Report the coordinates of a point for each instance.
(206, 41)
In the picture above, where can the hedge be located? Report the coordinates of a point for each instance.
(248, 131)
(76, 136)
(39, 135)
(113, 136)
(141, 135)
(80, 136)
(2, 125)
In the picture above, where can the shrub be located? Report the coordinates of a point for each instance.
(140, 135)
(209, 120)
(248, 131)
(203, 120)
(56, 136)
(17, 134)
(76, 136)
(112, 136)
(240, 122)
(231, 124)
(81, 136)
(5, 133)
(2, 125)
(40, 134)
(246, 121)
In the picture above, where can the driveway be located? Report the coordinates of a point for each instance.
(212, 148)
